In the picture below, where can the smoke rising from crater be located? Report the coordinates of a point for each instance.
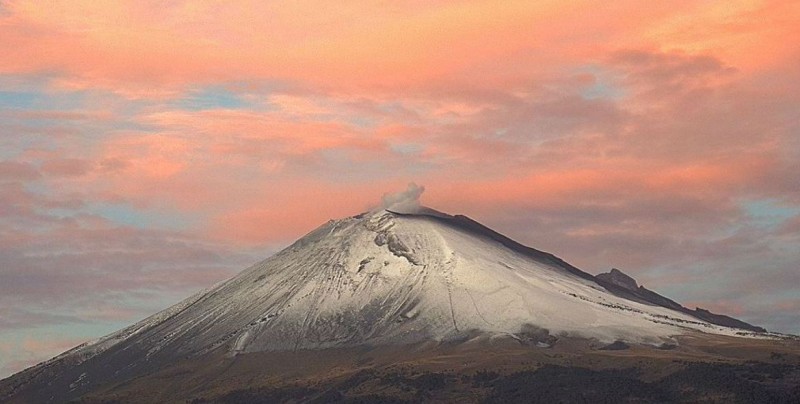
(405, 201)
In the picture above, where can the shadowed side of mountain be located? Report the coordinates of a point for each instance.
(616, 279)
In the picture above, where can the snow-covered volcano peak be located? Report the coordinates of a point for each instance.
(391, 277)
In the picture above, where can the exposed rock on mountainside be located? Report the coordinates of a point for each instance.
(619, 278)
(616, 278)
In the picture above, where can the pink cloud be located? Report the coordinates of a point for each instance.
(13, 170)
(66, 167)
(132, 46)
(624, 134)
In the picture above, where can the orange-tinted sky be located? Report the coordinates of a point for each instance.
(151, 148)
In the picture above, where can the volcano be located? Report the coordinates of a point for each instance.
(385, 282)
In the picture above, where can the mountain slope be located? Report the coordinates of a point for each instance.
(378, 279)
(619, 283)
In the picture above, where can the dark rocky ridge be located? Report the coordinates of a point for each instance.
(616, 279)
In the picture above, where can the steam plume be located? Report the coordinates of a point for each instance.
(405, 201)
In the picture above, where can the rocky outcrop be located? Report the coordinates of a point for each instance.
(621, 283)
(619, 278)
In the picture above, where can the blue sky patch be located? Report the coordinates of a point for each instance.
(769, 213)
(603, 85)
(125, 214)
(212, 98)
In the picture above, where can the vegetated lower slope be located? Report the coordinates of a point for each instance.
(376, 279)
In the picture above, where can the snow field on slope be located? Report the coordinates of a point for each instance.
(381, 278)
